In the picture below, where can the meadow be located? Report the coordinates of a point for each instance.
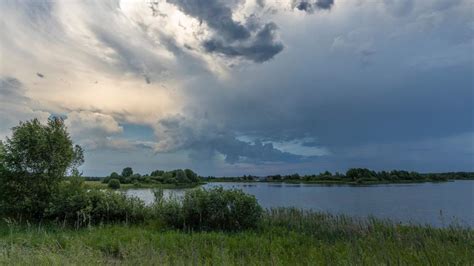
(283, 237)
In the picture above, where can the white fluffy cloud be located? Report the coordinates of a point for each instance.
(95, 131)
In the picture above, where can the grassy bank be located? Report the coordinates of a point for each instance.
(284, 237)
(100, 185)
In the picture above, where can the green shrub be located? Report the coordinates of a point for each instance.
(114, 183)
(212, 209)
(74, 205)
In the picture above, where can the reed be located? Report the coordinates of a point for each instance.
(284, 237)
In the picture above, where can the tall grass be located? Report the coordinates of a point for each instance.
(284, 237)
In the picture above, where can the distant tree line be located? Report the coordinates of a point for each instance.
(361, 175)
(244, 178)
(178, 176)
(353, 175)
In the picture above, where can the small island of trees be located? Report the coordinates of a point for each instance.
(157, 178)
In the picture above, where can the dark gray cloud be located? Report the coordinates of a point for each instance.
(263, 47)
(218, 16)
(250, 41)
(312, 6)
(204, 140)
(342, 112)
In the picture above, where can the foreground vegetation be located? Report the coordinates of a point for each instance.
(283, 237)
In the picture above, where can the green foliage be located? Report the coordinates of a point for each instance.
(114, 175)
(3, 167)
(127, 171)
(114, 183)
(157, 173)
(177, 177)
(34, 162)
(181, 176)
(74, 205)
(284, 237)
(191, 175)
(359, 173)
(212, 209)
(360, 176)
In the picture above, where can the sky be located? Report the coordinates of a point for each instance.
(234, 87)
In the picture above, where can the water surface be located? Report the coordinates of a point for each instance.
(437, 204)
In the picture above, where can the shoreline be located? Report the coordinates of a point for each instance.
(334, 182)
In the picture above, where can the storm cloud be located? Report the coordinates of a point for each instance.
(312, 6)
(246, 87)
(206, 140)
(231, 38)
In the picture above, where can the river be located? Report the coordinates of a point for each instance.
(436, 204)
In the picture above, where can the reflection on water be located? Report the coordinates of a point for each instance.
(147, 195)
(437, 204)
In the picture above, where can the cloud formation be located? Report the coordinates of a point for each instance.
(248, 39)
(205, 139)
(244, 86)
(16, 106)
(311, 6)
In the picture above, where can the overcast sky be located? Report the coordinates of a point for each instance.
(233, 87)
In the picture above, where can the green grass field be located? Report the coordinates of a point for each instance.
(285, 237)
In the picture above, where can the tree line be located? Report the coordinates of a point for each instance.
(361, 175)
(178, 176)
(352, 175)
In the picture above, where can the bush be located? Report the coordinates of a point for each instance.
(212, 209)
(74, 205)
(114, 183)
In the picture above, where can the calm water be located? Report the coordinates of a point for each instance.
(437, 204)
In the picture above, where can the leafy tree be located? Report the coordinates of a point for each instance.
(359, 173)
(34, 161)
(295, 176)
(157, 173)
(181, 176)
(2, 159)
(191, 175)
(114, 175)
(327, 173)
(114, 183)
(127, 171)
